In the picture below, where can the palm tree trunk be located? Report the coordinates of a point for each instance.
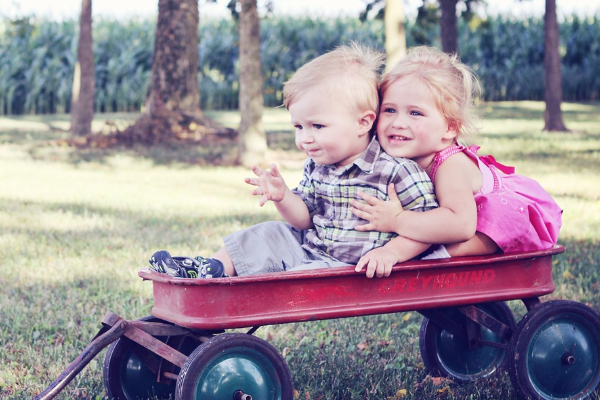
(395, 32)
(253, 141)
(448, 26)
(173, 102)
(82, 100)
(553, 93)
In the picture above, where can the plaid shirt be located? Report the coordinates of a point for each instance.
(327, 193)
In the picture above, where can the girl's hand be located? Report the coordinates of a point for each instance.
(379, 262)
(382, 215)
(270, 184)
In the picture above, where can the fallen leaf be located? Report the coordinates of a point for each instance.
(568, 275)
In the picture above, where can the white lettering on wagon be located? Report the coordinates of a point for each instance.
(440, 281)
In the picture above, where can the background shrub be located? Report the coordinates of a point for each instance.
(37, 58)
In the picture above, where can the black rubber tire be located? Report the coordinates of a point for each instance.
(555, 352)
(446, 355)
(127, 378)
(233, 362)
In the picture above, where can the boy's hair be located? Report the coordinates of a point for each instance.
(454, 85)
(350, 71)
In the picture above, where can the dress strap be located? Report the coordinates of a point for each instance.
(448, 152)
(488, 162)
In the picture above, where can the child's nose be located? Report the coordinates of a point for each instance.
(398, 123)
(306, 136)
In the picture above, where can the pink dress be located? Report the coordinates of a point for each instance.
(513, 210)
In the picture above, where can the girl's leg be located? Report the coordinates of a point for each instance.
(478, 245)
(223, 256)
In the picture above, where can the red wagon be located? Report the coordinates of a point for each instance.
(184, 352)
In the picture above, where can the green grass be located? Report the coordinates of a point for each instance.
(75, 227)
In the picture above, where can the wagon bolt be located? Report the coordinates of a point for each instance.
(239, 395)
(568, 359)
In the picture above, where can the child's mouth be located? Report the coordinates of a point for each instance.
(396, 138)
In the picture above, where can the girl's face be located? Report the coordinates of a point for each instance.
(410, 124)
(327, 131)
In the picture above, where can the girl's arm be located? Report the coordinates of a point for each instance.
(379, 261)
(454, 221)
(271, 186)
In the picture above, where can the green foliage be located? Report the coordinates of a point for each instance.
(508, 56)
(37, 58)
(123, 53)
(36, 66)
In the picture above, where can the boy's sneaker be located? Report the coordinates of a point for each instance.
(186, 267)
(210, 268)
(181, 267)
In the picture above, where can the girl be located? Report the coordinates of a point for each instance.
(427, 105)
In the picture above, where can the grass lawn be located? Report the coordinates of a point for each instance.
(76, 226)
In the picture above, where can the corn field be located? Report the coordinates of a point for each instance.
(37, 58)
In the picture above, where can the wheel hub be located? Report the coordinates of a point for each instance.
(568, 359)
(239, 395)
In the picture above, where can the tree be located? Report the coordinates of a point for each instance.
(392, 13)
(82, 100)
(448, 20)
(172, 108)
(553, 92)
(395, 32)
(448, 26)
(253, 141)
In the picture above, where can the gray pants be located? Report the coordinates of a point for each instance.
(273, 247)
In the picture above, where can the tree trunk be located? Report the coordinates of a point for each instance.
(448, 26)
(174, 84)
(395, 33)
(82, 101)
(553, 93)
(172, 109)
(253, 141)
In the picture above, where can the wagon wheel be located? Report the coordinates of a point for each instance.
(555, 352)
(234, 366)
(127, 377)
(447, 355)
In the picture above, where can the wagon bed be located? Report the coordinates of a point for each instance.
(285, 297)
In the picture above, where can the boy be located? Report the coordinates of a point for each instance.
(333, 103)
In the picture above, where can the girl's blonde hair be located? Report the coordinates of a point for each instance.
(454, 85)
(351, 72)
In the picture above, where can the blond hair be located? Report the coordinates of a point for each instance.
(350, 71)
(454, 85)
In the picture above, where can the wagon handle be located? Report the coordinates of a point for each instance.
(83, 359)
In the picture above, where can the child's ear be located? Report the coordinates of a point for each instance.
(367, 120)
(453, 130)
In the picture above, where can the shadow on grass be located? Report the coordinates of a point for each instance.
(42, 146)
(41, 135)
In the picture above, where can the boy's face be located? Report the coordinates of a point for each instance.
(410, 124)
(326, 130)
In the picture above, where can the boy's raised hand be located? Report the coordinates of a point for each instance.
(270, 185)
(382, 215)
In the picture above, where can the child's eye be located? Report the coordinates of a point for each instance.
(389, 110)
(415, 113)
(318, 126)
(298, 127)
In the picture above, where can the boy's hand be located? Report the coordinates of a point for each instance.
(382, 215)
(270, 184)
(379, 262)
